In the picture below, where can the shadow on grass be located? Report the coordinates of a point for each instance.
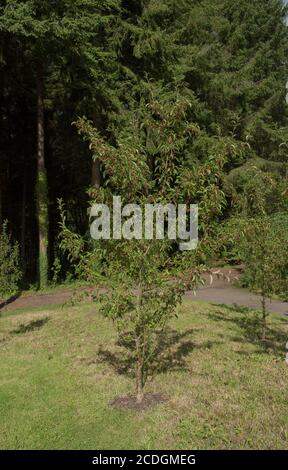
(31, 326)
(171, 351)
(250, 323)
(9, 301)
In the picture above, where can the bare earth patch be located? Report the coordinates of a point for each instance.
(129, 402)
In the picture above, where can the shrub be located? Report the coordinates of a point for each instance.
(264, 250)
(10, 273)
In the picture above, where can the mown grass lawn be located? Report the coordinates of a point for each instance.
(224, 389)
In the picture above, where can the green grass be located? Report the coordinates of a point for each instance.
(224, 388)
(34, 289)
(68, 285)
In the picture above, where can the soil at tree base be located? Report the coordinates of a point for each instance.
(129, 402)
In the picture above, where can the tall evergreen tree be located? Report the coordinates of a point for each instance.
(47, 32)
(103, 60)
(236, 63)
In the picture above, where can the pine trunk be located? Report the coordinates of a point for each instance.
(23, 219)
(42, 187)
(96, 179)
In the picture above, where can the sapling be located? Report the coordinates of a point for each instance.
(264, 254)
(143, 302)
(144, 295)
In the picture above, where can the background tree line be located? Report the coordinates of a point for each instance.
(198, 84)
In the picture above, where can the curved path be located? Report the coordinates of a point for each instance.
(229, 295)
(220, 291)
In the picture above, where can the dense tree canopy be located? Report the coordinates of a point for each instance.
(118, 62)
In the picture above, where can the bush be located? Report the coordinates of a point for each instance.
(264, 248)
(10, 273)
(266, 242)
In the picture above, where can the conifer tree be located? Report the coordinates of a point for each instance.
(235, 56)
(98, 59)
(47, 31)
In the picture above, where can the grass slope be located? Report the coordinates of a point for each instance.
(60, 368)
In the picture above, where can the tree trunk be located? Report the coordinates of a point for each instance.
(41, 187)
(139, 372)
(23, 219)
(139, 348)
(264, 316)
(96, 179)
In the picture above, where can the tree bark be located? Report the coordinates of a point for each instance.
(41, 187)
(96, 179)
(139, 371)
(264, 316)
(96, 176)
(139, 349)
(23, 219)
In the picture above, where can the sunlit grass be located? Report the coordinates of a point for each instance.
(225, 389)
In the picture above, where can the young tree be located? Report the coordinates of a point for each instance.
(264, 249)
(144, 294)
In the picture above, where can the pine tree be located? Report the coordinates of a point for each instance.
(48, 32)
(236, 64)
(99, 59)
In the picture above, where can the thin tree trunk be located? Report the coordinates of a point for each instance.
(139, 349)
(139, 372)
(264, 316)
(23, 219)
(42, 187)
(96, 179)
